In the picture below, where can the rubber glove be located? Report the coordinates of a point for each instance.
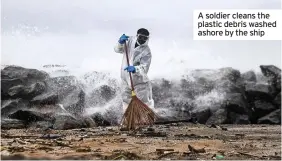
(131, 69)
(123, 38)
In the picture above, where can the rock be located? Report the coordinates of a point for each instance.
(30, 116)
(277, 100)
(219, 117)
(260, 108)
(249, 76)
(235, 118)
(27, 92)
(264, 106)
(99, 120)
(65, 122)
(29, 75)
(271, 118)
(46, 99)
(194, 88)
(89, 122)
(7, 124)
(236, 102)
(161, 90)
(13, 75)
(230, 74)
(6, 84)
(41, 124)
(274, 75)
(11, 106)
(270, 71)
(226, 86)
(201, 115)
(259, 91)
(101, 95)
(65, 90)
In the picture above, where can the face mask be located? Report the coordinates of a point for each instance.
(141, 39)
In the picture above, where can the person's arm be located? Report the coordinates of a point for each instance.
(119, 47)
(145, 63)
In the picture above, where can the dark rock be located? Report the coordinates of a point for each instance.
(11, 72)
(30, 116)
(236, 102)
(42, 124)
(65, 122)
(201, 115)
(89, 122)
(270, 71)
(271, 118)
(6, 84)
(7, 124)
(230, 74)
(162, 90)
(235, 118)
(277, 100)
(65, 90)
(264, 106)
(192, 88)
(11, 106)
(226, 86)
(274, 75)
(27, 92)
(259, 91)
(249, 76)
(13, 75)
(219, 117)
(46, 98)
(101, 95)
(100, 120)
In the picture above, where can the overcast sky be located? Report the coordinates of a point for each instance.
(83, 32)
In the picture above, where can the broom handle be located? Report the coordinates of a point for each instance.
(131, 82)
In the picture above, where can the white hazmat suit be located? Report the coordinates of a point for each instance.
(140, 58)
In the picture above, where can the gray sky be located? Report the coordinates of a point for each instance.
(83, 32)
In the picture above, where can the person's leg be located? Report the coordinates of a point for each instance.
(144, 93)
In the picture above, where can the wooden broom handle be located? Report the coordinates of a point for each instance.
(131, 82)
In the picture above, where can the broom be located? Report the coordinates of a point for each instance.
(137, 112)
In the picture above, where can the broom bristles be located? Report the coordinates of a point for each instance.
(138, 114)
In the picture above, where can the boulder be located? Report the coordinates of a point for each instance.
(41, 125)
(274, 75)
(227, 86)
(27, 92)
(229, 73)
(13, 76)
(100, 120)
(7, 124)
(219, 117)
(249, 76)
(259, 91)
(277, 100)
(30, 116)
(235, 118)
(271, 118)
(201, 115)
(65, 90)
(65, 122)
(264, 106)
(11, 106)
(101, 96)
(236, 102)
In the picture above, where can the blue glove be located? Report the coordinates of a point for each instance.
(130, 69)
(123, 38)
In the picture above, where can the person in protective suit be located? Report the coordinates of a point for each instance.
(140, 56)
